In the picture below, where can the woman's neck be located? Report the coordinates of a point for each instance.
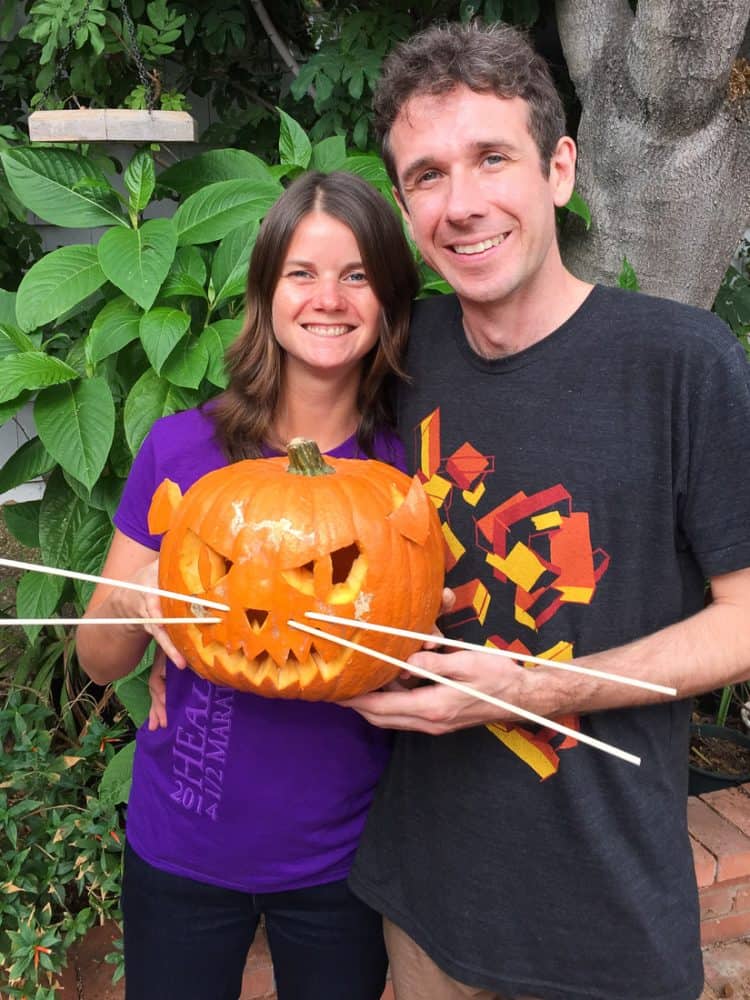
(325, 410)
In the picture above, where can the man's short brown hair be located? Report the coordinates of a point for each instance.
(497, 59)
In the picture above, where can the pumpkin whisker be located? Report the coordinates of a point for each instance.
(473, 692)
(125, 584)
(508, 654)
(109, 621)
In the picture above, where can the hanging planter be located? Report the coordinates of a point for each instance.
(112, 125)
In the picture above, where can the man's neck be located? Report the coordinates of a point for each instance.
(499, 329)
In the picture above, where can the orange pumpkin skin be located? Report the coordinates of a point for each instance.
(363, 542)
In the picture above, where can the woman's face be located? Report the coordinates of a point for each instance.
(325, 314)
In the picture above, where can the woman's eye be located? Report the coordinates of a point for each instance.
(298, 273)
(357, 277)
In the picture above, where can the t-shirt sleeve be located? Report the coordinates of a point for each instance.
(717, 499)
(131, 516)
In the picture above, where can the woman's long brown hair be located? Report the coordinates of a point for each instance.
(244, 413)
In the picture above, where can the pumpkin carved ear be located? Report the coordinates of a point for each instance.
(165, 501)
(412, 518)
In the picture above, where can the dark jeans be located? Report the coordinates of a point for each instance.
(186, 940)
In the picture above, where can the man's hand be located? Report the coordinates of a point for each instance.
(434, 708)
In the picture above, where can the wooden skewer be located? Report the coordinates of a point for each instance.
(125, 584)
(109, 621)
(441, 640)
(466, 689)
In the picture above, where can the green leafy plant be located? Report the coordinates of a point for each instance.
(60, 842)
(733, 298)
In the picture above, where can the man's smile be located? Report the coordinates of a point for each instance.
(467, 249)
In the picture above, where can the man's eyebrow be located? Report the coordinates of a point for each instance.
(416, 166)
(480, 146)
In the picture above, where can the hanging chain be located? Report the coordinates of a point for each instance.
(61, 57)
(147, 79)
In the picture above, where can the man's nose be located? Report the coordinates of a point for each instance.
(465, 198)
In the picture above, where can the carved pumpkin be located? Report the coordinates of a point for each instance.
(274, 538)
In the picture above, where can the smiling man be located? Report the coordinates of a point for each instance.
(587, 449)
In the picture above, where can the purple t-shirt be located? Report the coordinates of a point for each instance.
(250, 793)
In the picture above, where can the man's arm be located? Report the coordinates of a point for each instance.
(704, 652)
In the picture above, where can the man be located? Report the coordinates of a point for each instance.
(588, 450)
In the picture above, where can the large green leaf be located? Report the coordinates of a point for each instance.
(76, 423)
(186, 277)
(190, 176)
(114, 326)
(118, 775)
(134, 694)
(31, 370)
(56, 283)
(13, 341)
(161, 330)
(215, 210)
(89, 549)
(330, 154)
(294, 145)
(231, 261)
(31, 460)
(22, 520)
(8, 307)
(371, 168)
(10, 409)
(37, 596)
(60, 518)
(137, 260)
(187, 364)
(216, 338)
(150, 398)
(62, 187)
(140, 180)
(106, 491)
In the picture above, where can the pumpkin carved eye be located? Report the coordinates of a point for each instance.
(200, 565)
(336, 577)
(364, 543)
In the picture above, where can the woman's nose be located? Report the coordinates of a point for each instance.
(328, 295)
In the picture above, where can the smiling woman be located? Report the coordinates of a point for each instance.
(224, 824)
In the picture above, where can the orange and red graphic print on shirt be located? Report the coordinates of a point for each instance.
(536, 544)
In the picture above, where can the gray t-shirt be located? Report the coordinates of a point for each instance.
(588, 485)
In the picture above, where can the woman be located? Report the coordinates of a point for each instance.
(242, 805)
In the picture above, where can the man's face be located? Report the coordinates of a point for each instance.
(474, 195)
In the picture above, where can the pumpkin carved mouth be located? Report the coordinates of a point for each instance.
(359, 539)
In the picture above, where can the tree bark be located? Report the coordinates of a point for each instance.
(663, 150)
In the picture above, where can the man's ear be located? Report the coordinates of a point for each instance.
(404, 210)
(562, 171)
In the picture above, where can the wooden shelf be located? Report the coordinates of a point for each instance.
(112, 125)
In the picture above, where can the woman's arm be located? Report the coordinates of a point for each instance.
(108, 652)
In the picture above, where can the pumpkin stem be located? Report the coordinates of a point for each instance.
(305, 459)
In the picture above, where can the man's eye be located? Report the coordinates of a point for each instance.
(427, 176)
(493, 159)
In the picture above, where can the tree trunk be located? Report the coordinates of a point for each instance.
(664, 141)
